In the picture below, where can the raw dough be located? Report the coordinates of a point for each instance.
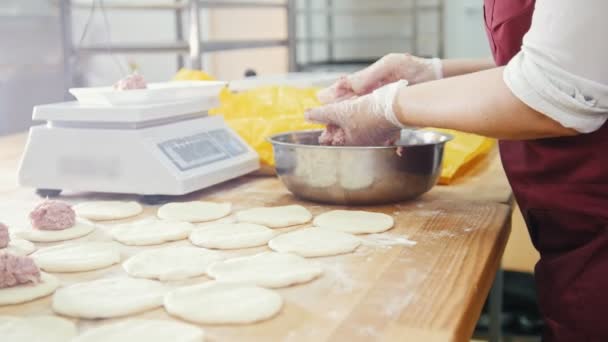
(151, 232)
(197, 211)
(25, 293)
(171, 263)
(231, 236)
(77, 257)
(107, 210)
(276, 217)
(36, 329)
(315, 242)
(108, 298)
(80, 229)
(223, 303)
(355, 221)
(143, 330)
(268, 269)
(19, 247)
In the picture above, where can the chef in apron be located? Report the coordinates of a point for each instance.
(545, 96)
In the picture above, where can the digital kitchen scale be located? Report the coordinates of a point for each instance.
(155, 149)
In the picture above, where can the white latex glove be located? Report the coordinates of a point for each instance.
(368, 120)
(390, 68)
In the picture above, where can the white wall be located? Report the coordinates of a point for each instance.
(465, 30)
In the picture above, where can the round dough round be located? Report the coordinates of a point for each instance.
(223, 303)
(276, 217)
(268, 269)
(231, 236)
(19, 247)
(28, 292)
(108, 298)
(77, 257)
(36, 328)
(151, 232)
(197, 211)
(80, 229)
(143, 330)
(107, 210)
(171, 263)
(355, 221)
(314, 242)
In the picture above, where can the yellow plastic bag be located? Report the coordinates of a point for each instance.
(462, 153)
(192, 75)
(261, 112)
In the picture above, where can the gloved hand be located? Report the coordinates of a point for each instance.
(368, 120)
(390, 68)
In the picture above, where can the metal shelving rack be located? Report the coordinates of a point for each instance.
(193, 46)
(330, 12)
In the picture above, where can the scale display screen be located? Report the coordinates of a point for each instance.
(201, 149)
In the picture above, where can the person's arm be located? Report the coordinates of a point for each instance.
(478, 103)
(457, 67)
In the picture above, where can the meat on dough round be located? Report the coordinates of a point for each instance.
(276, 217)
(268, 269)
(314, 242)
(151, 232)
(107, 210)
(80, 229)
(170, 263)
(223, 303)
(354, 221)
(36, 328)
(108, 298)
(231, 236)
(196, 211)
(28, 292)
(77, 257)
(147, 330)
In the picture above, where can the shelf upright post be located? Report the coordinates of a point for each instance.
(65, 16)
(179, 30)
(292, 42)
(195, 35)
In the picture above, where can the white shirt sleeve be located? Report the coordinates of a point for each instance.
(562, 68)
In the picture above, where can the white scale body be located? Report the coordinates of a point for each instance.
(162, 149)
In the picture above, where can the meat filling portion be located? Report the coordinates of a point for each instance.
(4, 237)
(17, 270)
(53, 215)
(133, 81)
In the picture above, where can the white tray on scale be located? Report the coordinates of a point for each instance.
(166, 92)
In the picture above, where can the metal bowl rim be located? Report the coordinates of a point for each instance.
(272, 139)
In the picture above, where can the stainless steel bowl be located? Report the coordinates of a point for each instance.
(359, 175)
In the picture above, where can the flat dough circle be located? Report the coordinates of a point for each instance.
(147, 330)
(108, 298)
(77, 257)
(107, 210)
(36, 329)
(276, 217)
(314, 242)
(171, 263)
(80, 229)
(223, 303)
(19, 247)
(196, 211)
(151, 232)
(25, 293)
(355, 221)
(231, 236)
(268, 269)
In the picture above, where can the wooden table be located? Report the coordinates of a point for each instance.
(433, 291)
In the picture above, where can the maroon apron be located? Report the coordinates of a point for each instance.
(561, 185)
